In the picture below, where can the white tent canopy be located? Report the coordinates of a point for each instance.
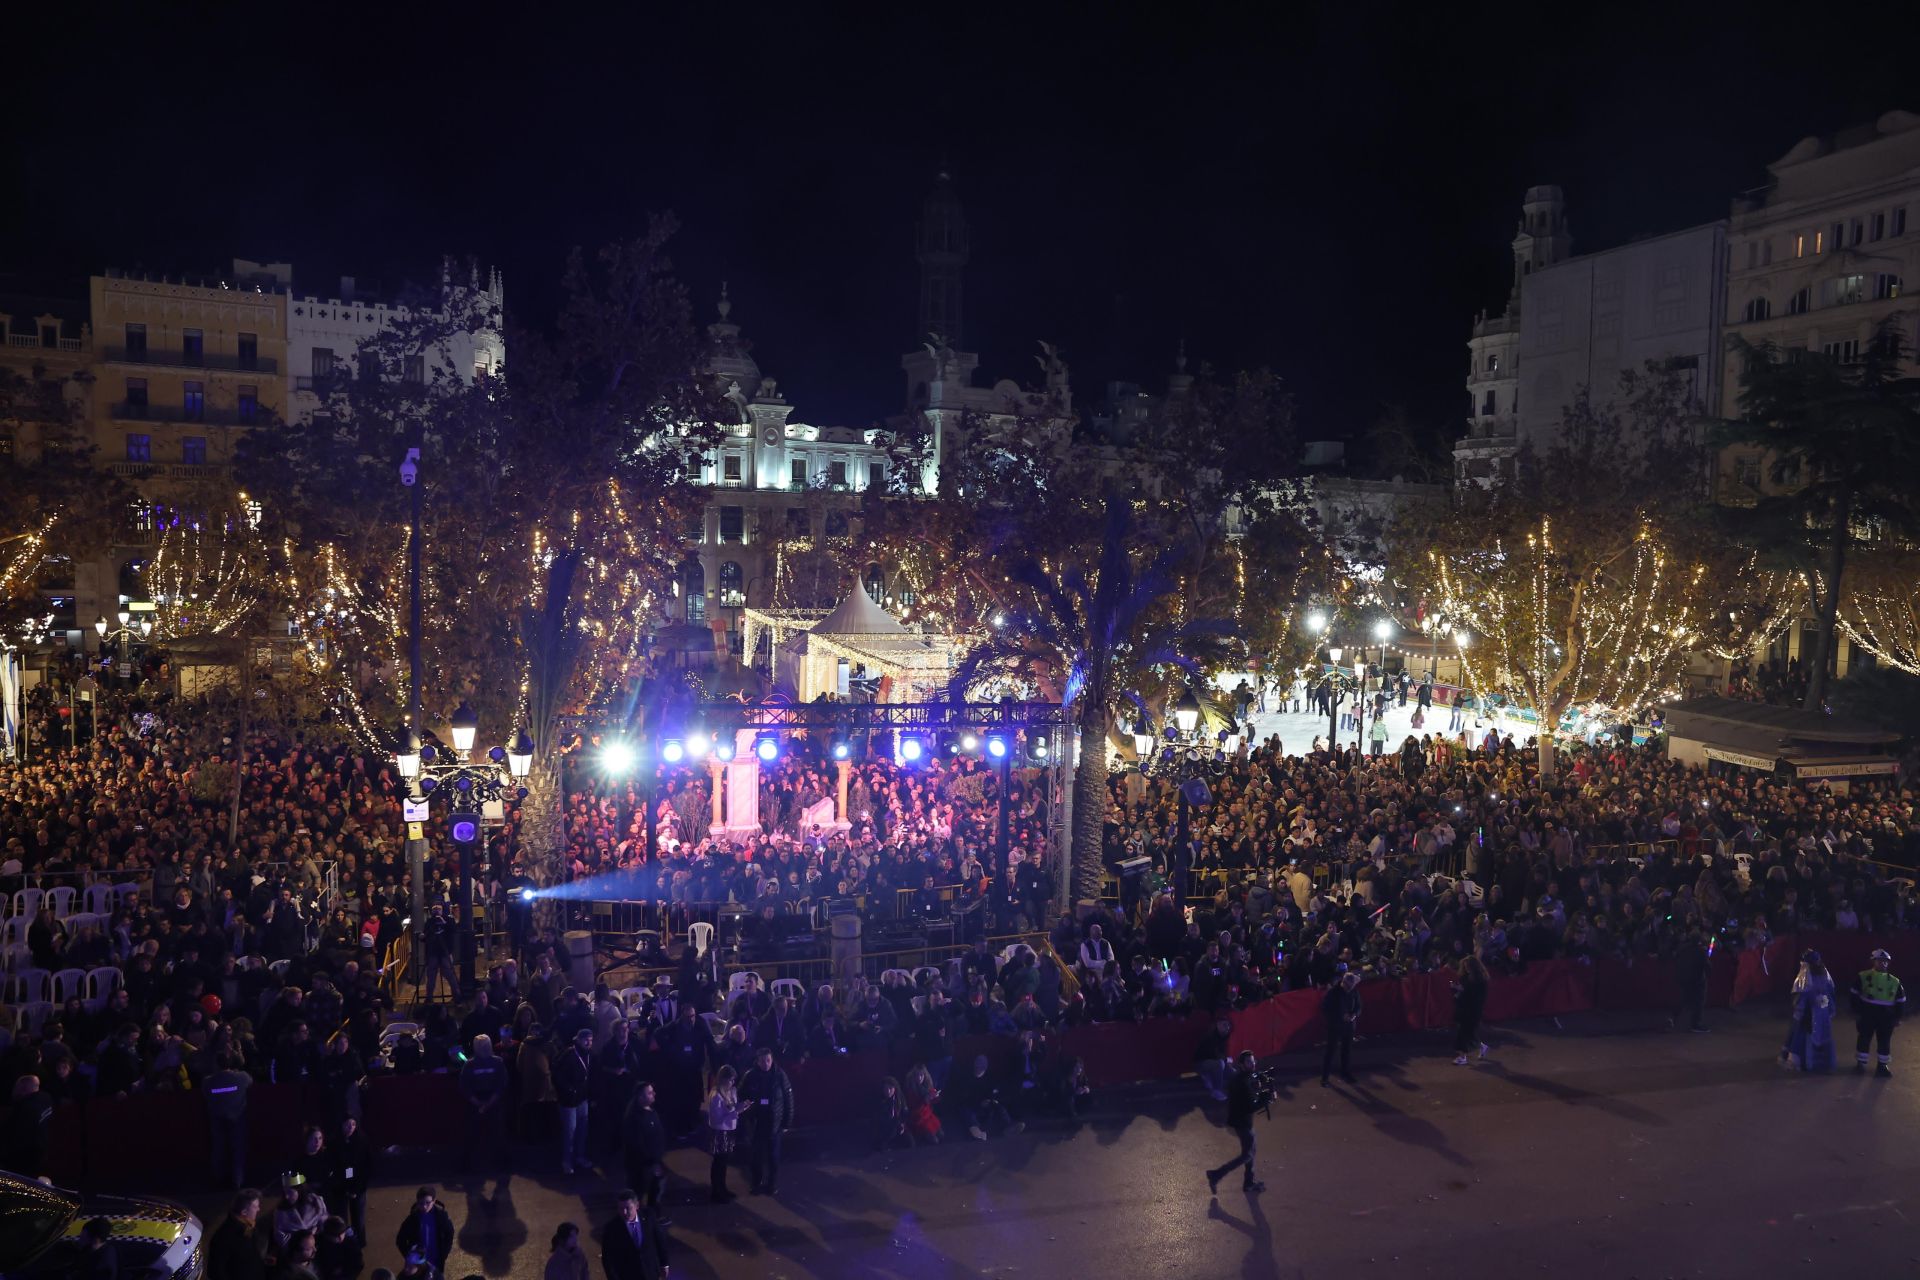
(858, 636)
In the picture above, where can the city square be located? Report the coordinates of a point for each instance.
(745, 663)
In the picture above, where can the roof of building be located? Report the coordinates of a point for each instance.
(858, 615)
(1754, 722)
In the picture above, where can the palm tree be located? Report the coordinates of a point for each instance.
(1096, 636)
(1842, 446)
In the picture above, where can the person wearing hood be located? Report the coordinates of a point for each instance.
(1809, 1044)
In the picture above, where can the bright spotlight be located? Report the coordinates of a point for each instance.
(767, 747)
(1037, 748)
(697, 744)
(841, 750)
(969, 743)
(1316, 622)
(527, 894)
(996, 746)
(912, 749)
(723, 747)
(1382, 630)
(673, 751)
(618, 757)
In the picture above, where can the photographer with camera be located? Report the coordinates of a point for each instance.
(1248, 1090)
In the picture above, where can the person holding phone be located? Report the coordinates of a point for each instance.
(724, 1109)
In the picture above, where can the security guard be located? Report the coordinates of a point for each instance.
(1879, 999)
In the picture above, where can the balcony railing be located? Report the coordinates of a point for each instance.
(33, 340)
(128, 411)
(203, 360)
(168, 470)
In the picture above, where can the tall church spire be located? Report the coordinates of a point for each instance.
(941, 248)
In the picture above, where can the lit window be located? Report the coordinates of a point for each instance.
(1886, 285)
(193, 451)
(139, 447)
(1493, 363)
(193, 400)
(1800, 246)
(798, 473)
(730, 468)
(1819, 242)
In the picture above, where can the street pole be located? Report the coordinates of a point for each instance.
(469, 823)
(1182, 849)
(416, 849)
(1000, 839)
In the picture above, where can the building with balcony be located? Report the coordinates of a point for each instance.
(183, 368)
(1820, 258)
(324, 335)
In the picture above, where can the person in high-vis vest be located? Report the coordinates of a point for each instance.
(1879, 999)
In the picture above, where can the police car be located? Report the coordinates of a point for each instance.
(40, 1229)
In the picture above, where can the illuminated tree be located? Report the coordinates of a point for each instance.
(554, 497)
(55, 507)
(1880, 609)
(1590, 577)
(1841, 446)
(1095, 635)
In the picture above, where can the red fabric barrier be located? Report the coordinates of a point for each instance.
(414, 1110)
(145, 1134)
(1122, 1052)
(841, 1090)
(1541, 988)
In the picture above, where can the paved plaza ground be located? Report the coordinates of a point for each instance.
(1607, 1147)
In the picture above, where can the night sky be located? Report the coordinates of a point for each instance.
(1329, 192)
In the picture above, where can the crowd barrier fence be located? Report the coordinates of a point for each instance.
(89, 1143)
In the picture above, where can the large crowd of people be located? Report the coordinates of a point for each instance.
(255, 944)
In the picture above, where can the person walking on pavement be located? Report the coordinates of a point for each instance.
(1690, 975)
(633, 1247)
(572, 1083)
(226, 1091)
(644, 1140)
(233, 1250)
(766, 1085)
(1341, 1008)
(427, 1230)
(1879, 999)
(483, 1084)
(725, 1106)
(1243, 1099)
(1470, 983)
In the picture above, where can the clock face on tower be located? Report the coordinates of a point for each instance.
(770, 434)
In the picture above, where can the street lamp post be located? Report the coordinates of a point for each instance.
(122, 637)
(1382, 632)
(469, 785)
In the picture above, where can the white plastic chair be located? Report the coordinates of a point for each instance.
(740, 981)
(84, 920)
(902, 974)
(26, 903)
(391, 1033)
(17, 957)
(792, 988)
(69, 984)
(700, 937)
(35, 1014)
(13, 930)
(101, 983)
(919, 1005)
(279, 967)
(716, 1026)
(633, 1001)
(99, 898)
(61, 900)
(26, 986)
(930, 970)
(123, 893)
